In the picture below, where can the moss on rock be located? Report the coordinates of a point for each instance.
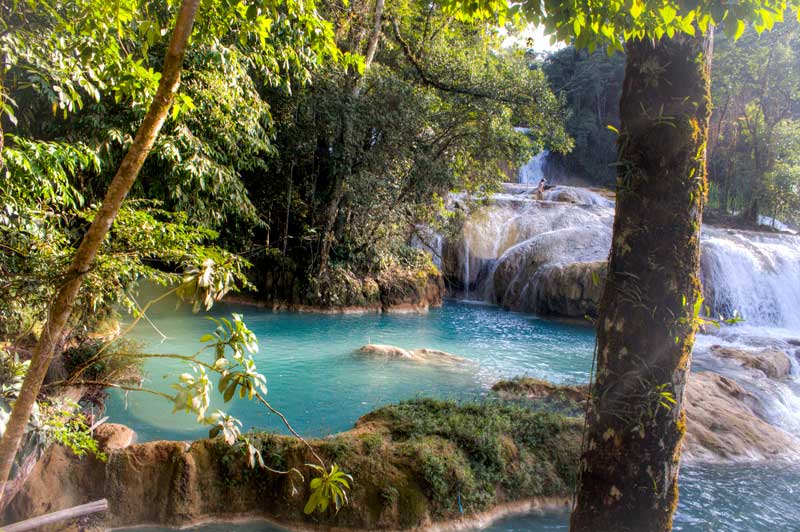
(412, 462)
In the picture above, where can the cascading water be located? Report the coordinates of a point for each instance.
(546, 257)
(510, 241)
(494, 256)
(467, 278)
(533, 171)
(754, 274)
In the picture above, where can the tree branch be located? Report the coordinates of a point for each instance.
(426, 78)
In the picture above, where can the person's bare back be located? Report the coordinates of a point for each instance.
(540, 189)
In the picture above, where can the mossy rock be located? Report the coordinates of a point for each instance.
(411, 462)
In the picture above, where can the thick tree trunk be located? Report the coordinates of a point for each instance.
(62, 306)
(646, 325)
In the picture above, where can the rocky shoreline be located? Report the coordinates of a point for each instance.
(419, 465)
(393, 292)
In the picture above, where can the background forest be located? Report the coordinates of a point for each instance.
(307, 177)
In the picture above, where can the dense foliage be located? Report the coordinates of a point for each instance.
(752, 153)
(292, 175)
(92, 92)
(753, 159)
(592, 85)
(361, 160)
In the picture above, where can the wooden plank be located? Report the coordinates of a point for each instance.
(55, 517)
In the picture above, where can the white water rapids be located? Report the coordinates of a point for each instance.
(547, 256)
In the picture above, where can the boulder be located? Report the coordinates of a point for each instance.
(721, 426)
(558, 272)
(114, 436)
(431, 356)
(773, 363)
(403, 291)
(571, 290)
(579, 195)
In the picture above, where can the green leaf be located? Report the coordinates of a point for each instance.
(636, 9)
(229, 393)
(740, 27)
(667, 13)
(313, 501)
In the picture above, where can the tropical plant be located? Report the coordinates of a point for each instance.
(77, 31)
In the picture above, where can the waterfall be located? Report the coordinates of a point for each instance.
(533, 171)
(491, 258)
(513, 250)
(547, 257)
(755, 274)
(467, 279)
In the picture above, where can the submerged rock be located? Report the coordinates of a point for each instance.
(773, 363)
(433, 356)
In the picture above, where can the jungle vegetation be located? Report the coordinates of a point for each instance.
(280, 143)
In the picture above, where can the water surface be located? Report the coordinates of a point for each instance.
(316, 377)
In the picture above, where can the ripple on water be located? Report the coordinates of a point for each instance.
(317, 380)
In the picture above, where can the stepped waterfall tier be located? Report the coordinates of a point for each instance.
(545, 257)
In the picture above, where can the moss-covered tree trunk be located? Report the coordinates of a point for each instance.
(646, 326)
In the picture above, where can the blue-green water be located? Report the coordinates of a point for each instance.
(319, 381)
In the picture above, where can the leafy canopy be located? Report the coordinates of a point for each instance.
(610, 22)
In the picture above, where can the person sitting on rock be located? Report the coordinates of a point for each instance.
(540, 189)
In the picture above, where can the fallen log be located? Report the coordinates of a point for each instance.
(55, 517)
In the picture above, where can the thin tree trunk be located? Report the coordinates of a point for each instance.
(344, 166)
(62, 306)
(646, 325)
(288, 209)
(2, 133)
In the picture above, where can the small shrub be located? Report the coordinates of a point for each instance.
(389, 495)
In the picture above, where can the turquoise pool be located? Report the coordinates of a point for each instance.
(316, 377)
(319, 381)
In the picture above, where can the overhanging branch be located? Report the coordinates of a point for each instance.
(427, 79)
